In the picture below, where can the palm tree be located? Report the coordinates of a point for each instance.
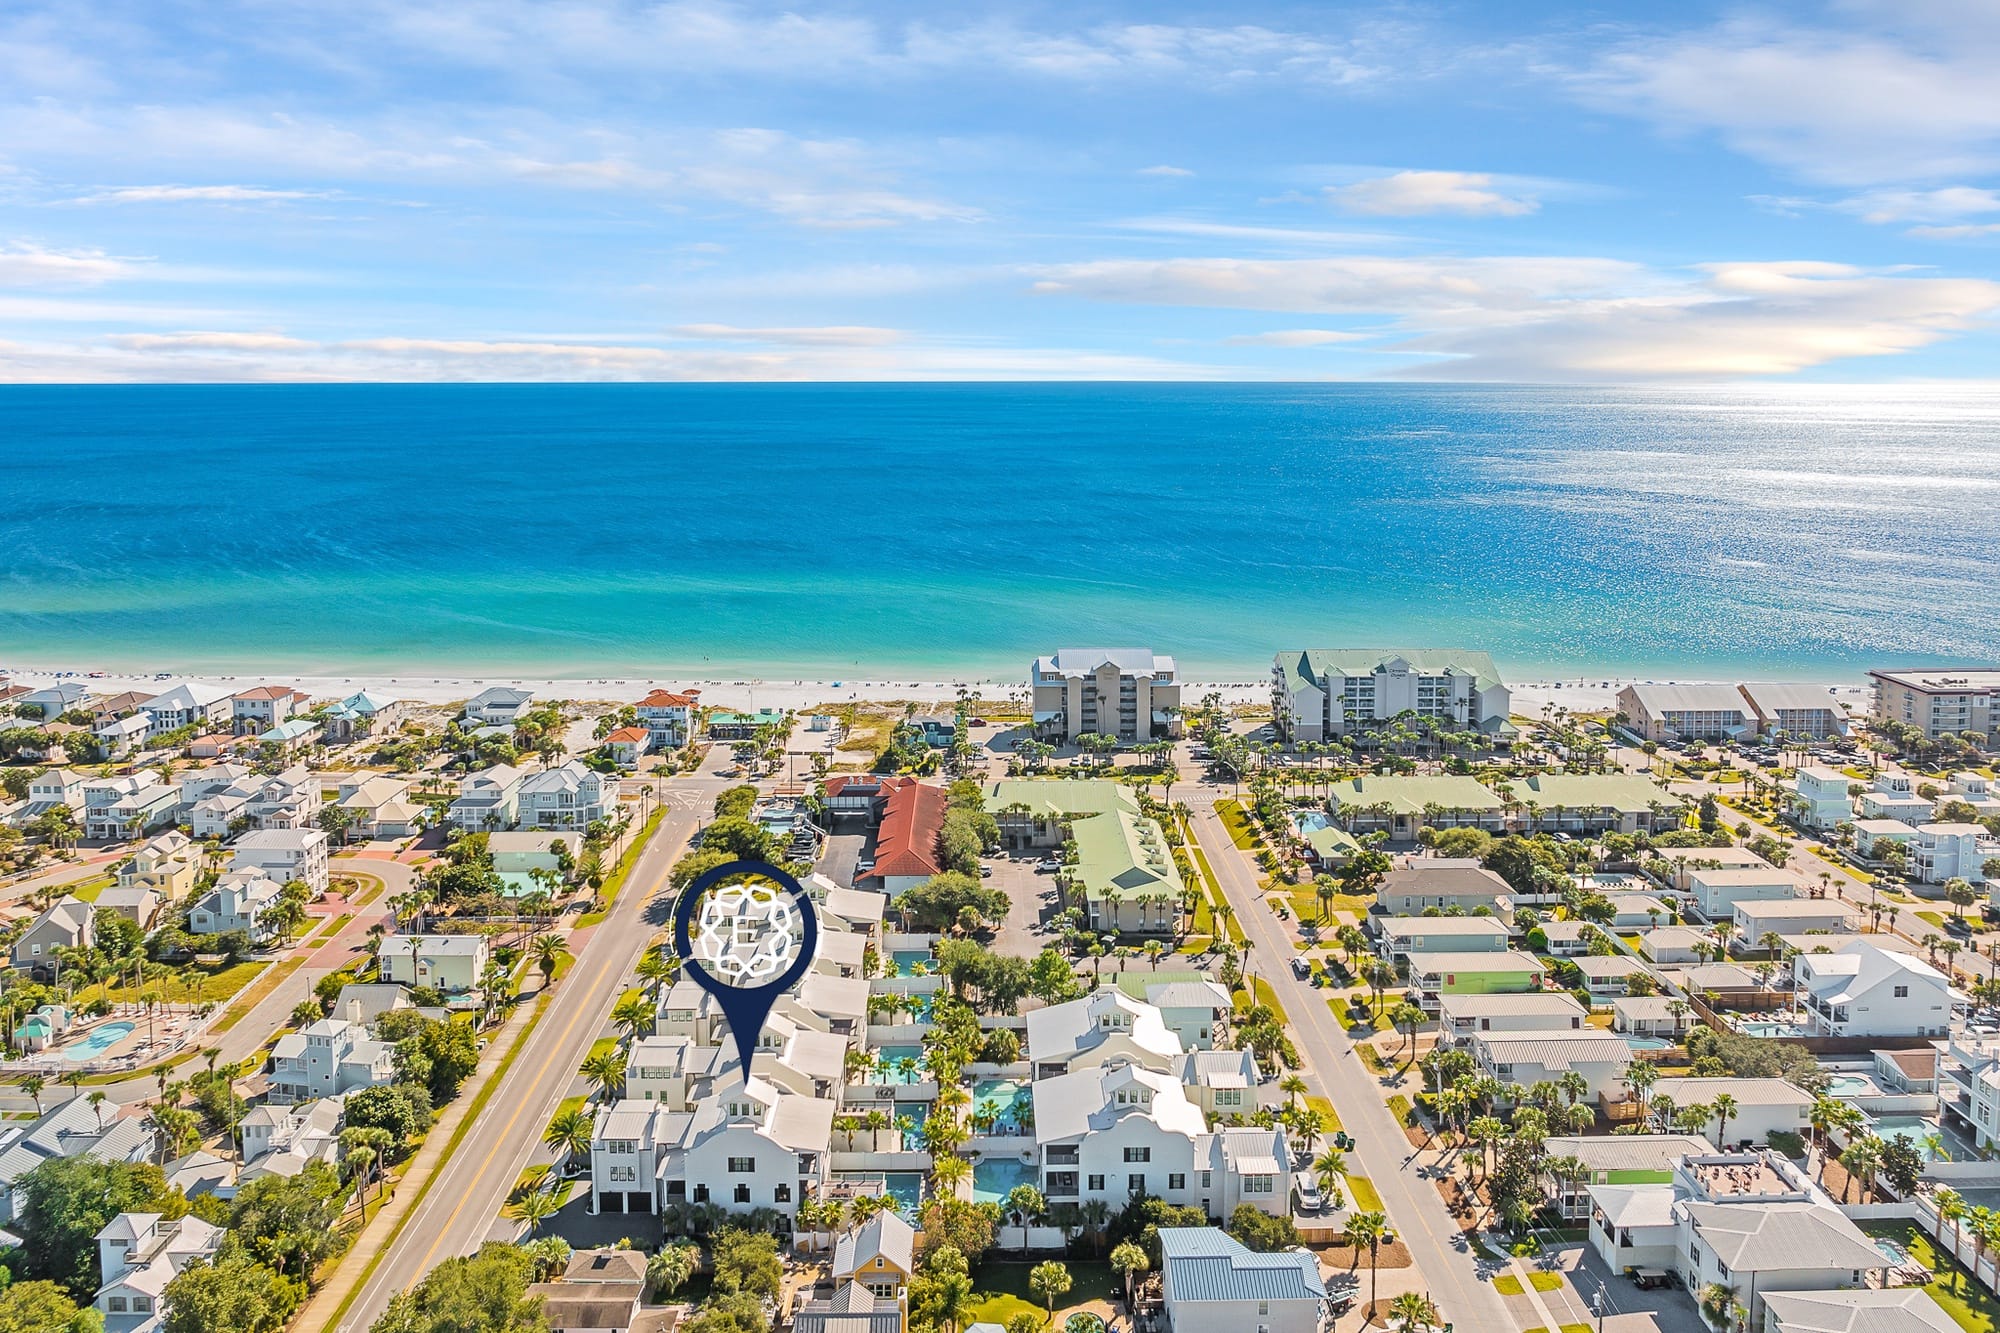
(1415, 1310)
(535, 1208)
(1096, 1214)
(606, 1071)
(1368, 1229)
(1128, 1261)
(1329, 1167)
(1293, 1087)
(32, 1084)
(1862, 1157)
(1049, 1280)
(548, 952)
(631, 1014)
(97, 1100)
(1950, 1208)
(569, 1133)
(1724, 1107)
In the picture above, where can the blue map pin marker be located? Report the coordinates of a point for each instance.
(745, 936)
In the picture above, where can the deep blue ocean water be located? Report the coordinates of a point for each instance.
(821, 530)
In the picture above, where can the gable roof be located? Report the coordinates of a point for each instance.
(884, 1235)
(1877, 1309)
(1309, 666)
(1208, 1264)
(906, 844)
(1555, 1050)
(1783, 1236)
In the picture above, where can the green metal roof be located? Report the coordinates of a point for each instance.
(1122, 855)
(1310, 666)
(1628, 793)
(1061, 796)
(1409, 795)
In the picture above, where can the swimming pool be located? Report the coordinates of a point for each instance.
(1849, 1085)
(907, 1189)
(999, 1097)
(916, 1113)
(101, 1039)
(1889, 1250)
(888, 1061)
(994, 1177)
(1770, 1029)
(1311, 821)
(1648, 1043)
(1912, 1127)
(906, 960)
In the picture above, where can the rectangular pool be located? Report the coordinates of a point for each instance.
(993, 1178)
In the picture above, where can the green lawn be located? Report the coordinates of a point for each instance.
(608, 895)
(87, 890)
(1961, 1295)
(1362, 1191)
(1325, 1108)
(1237, 820)
(1509, 1285)
(1541, 1281)
(215, 987)
(1001, 1291)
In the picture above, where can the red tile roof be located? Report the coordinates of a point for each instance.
(868, 782)
(906, 844)
(667, 699)
(628, 735)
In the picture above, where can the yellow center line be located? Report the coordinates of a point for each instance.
(521, 1105)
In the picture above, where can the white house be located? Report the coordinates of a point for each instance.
(1772, 1247)
(1716, 892)
(488, 800)
(1856, 1310)
(451, 963)
(1114, 1131)
(284, 855)
(191, 703)
(1409, 892)
(628, 745)
(53, 700)
(1862, 990)
(1107, 1026)
(326, 1059)
(255, 711)
(50, 788)
(120, 736)
(1211, 1281)
(1463, 1016)
(497, 706)
(668, 717)
(1894, 796)
(1763, 1105)
(1194, 1011)
(138, 1254)
(744, 1146)
(567, 797)
(72, 1128)
(127, 807)
(1650, 1016)
(284, 1140)
(1820, 796)
(1536, 1057)
(1674, 944)
(237, 902)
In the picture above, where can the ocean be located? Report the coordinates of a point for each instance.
(820, 530)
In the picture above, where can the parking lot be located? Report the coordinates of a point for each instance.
(1032, 901)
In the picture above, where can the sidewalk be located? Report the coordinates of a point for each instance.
(408, 1189)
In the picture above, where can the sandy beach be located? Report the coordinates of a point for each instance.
(1588, 694)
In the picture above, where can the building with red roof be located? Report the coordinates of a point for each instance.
(906, 846)
(627, 744)
(668, 717)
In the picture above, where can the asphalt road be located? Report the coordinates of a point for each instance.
(1416, 1210)
(473, 1183)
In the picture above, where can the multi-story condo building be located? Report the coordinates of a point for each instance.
(1133, 694)
(1802, 712)
(1943, 852)
(668, 717)
(1821, 797)
(1941, 701)
(1686, 712)
(1321, 693)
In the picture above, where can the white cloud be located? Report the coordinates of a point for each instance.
(209, 342)
(1915, 101)
(1246, 232)
(1294, 338)
(1962, 231)
(1578, 318)
(1364, 284)
(833, 335)
(1415, 193)
(25, 264)
(171, 194)
(1942, 205)
(1165, 171)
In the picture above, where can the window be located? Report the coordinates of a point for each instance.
(701, 1194)
(1263, 1307)
(742, 1166)
(782, 1194)
(142, 1305)
(882, 1291)
(1138, 1154)
(1177, 1181)
(1207, 1179)
(1256, 1184)
(1136, 1182)
(117, 1304)
(1902, 992)
(742, 1194)
(1096, 1183)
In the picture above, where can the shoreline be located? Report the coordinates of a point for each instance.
(1585, 694)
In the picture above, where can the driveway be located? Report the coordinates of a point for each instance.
(1627, 1309)
(1032, 901)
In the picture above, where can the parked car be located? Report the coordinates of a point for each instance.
(1301, 968)
(1310, 1200)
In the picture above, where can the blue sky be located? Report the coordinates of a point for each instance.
(585, 189)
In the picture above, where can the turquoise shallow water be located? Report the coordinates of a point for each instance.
(822, 530)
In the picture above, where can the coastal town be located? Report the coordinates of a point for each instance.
(1375, 992)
